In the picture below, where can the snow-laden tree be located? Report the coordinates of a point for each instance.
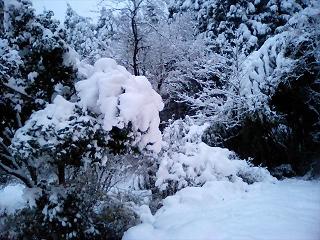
(81, 35)
(70, 151)
(172, 42)
(68, 143)
(238, 24)
(128, 101)
(34, 68)
(175, 56)
(105, 30)
(234, 29)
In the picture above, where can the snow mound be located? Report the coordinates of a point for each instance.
(222, 210)
(122, 99)
(203, 163)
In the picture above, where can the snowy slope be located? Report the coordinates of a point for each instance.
(287, 209)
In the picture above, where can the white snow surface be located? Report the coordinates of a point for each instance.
(223, 210)
(11, 198)
(122, 98)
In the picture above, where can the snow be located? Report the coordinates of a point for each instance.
(122, 98)
(288, 209)
(11, 198)
(202, 163)
(261, 70)
(55, 114)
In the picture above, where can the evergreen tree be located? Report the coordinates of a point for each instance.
(35, 66)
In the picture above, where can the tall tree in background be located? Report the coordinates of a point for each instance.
(130, 33)
(81, 35)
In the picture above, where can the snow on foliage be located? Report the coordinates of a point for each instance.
(70, 151)
(255, 77)
(187, 161)
(261, 71)
(77, 133)
(264, 69)
(123, 99)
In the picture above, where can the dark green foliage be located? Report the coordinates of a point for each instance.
(119, 142)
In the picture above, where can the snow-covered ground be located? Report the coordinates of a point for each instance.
(288, 209)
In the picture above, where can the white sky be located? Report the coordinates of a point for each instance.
(85, 8)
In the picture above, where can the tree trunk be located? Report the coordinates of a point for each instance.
(135, 45)
(135, 38)
(61, 174)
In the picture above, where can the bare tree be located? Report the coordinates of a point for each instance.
(135, 21)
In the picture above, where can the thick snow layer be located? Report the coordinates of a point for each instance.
(287, 209)
(122, 99)
(11, 198)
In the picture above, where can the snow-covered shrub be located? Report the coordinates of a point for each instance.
(67, 214)
(55, 138)
(187, 161)
(69, 155)
(115, 110)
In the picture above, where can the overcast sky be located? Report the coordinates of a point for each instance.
(83, 7)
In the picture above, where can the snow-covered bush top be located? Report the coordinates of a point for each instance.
(187, 161)
(123, 99)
